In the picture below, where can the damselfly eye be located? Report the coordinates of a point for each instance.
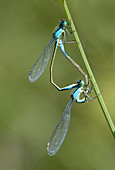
(61, 20)
(78, 81)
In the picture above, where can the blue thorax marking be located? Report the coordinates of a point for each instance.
(76, 93)
(57, 33)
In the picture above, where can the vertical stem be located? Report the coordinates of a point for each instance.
(84, 58)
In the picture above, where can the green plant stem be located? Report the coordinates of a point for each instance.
(84, 58)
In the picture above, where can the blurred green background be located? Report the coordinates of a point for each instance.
(29, 112)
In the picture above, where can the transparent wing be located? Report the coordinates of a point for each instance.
(60, 131)
(42, 62)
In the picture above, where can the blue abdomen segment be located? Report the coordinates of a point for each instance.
(62, 49)
(68, 87)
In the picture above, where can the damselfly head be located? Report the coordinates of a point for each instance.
(63, 22)
(80, 82)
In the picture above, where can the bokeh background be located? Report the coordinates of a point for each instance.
(29, 112)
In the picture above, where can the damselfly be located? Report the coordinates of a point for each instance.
(61, 129)
(43, 60)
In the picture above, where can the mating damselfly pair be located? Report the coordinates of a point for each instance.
(80, 87)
